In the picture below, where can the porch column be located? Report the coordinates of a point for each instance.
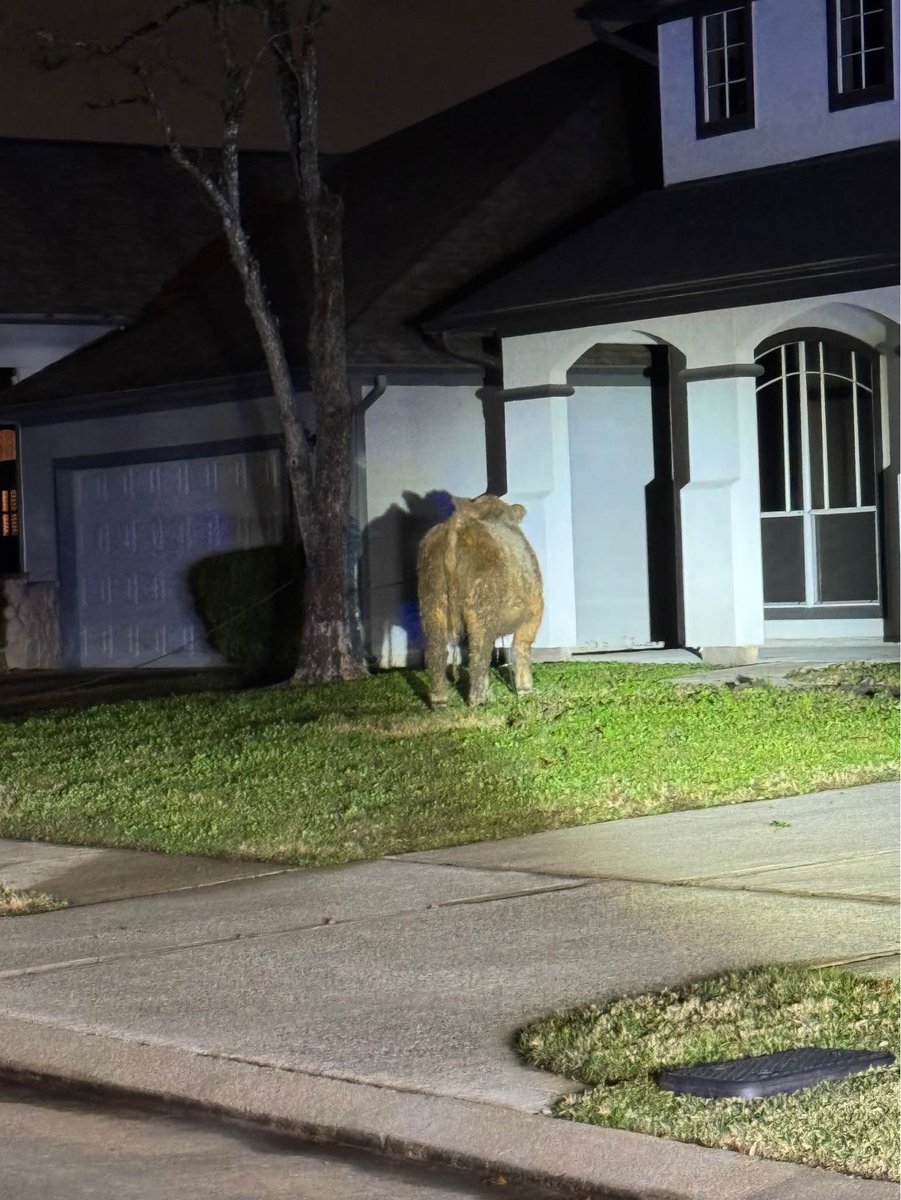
(722, 571)
(538, 476)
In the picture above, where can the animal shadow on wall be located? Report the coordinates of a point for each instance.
(388, 568)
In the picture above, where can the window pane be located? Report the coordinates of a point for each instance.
(815, 430)
(840, 443)
(874, 30)
(851, 36)
(735, 26)
(716, 103)
(783, 560)
(813, 353)
(874, 68)
(738, 99)
(864, 373)
(791, 358)
(867, 447)
(849, 7)
(846, 555)
(836, 360)
(713, 31)
(770, 450)
(772, 367)
(736, 59)
(796, 480)
(716, 67)
(852, 73)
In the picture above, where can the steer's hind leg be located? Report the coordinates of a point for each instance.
(436, 664)
(522, 653)
(480, 646)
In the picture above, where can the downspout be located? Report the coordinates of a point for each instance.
(357, 567)
(440, 341)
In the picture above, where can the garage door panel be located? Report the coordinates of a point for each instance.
(136, 530)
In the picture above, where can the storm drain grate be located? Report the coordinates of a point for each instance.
(770, 1074)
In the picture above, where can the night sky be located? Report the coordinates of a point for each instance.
(385, 64)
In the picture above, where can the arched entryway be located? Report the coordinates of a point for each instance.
(818, 438)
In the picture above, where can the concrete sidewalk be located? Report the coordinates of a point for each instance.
(375, 1004)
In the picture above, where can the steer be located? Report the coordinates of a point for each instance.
(478, 575)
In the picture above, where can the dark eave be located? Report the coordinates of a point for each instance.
(629, 12)
(813, 227)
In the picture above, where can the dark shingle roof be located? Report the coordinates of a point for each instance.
(91, 229)
(455, 198)
(821, 225)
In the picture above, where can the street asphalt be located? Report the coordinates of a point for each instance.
(374, 1004)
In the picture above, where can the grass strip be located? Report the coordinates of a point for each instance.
(325, 775)
(850, 1125)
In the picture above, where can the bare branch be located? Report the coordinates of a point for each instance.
(117, 102)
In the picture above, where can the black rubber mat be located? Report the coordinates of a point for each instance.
(770, 1074)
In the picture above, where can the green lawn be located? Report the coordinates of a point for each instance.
(353, 771)
(850, 1125)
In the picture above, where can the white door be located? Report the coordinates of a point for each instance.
(611, 464)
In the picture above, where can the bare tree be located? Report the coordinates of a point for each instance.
(320, 477)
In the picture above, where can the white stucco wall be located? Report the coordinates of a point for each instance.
(791, 97)
(29, 347)
(420, 442)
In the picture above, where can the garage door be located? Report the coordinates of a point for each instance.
(128, 535)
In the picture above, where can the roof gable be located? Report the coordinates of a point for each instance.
(427, 210)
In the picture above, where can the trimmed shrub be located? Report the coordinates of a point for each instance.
(251, 604)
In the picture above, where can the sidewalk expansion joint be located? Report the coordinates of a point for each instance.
(875, 956)
(691, 881)
(785, 893)
(320, 926)
(185, 887)
(762, 868)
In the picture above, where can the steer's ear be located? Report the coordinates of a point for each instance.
(466, 508)
(518, 511)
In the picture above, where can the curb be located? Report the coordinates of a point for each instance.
(526, 1149)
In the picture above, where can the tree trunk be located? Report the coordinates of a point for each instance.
(327, 649)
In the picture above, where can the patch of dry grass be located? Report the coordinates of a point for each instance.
(414, 725)
(618, 1049)
(19, 902)
(865, 676)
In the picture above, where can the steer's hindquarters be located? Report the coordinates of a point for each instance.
(434, 583)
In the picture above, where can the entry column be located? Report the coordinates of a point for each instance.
(722, 574)
(538, 476)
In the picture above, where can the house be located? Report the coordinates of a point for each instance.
(689, 376)
(91, 234)
(158, 443)
(766, 271)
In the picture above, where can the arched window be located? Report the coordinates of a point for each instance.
(816, 438)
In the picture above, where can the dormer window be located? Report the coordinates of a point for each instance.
(860, 52)
(724, 74)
